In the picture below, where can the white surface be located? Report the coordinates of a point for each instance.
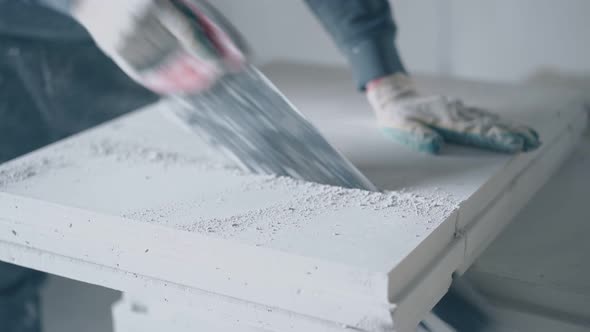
(138, 205)
(541, 260)
(71, 306)
(504, 40)
(131, 314)
(509, 39)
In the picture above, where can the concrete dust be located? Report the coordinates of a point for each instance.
(130, 152)
(304, 200)
(310, 200)
(18, 171)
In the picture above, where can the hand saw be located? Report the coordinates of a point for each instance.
(247, 118)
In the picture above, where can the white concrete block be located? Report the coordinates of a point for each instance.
(143, 207)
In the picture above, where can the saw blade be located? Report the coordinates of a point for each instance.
(247, 117)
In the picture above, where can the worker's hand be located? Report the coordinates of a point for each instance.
(169, 46)
(425, 123)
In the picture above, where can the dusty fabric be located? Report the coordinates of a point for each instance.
(424, 123)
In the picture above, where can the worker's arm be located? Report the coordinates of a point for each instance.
(168, 46)
(364, 31)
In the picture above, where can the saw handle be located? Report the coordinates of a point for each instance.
(172, 47)
(227, 42)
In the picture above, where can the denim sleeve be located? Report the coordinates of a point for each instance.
(364, 31)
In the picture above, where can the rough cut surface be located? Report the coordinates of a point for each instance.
(139, 203)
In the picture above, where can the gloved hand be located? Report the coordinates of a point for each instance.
(425, 123)
(169, 46)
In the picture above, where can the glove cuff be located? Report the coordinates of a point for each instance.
(390, 88)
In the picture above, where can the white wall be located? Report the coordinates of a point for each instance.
(286, 29)
(506, 39)
(280, 29)
(492, 40)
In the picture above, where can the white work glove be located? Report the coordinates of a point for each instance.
(424, 123)
(168, 46)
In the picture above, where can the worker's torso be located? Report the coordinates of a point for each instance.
(30, 19)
